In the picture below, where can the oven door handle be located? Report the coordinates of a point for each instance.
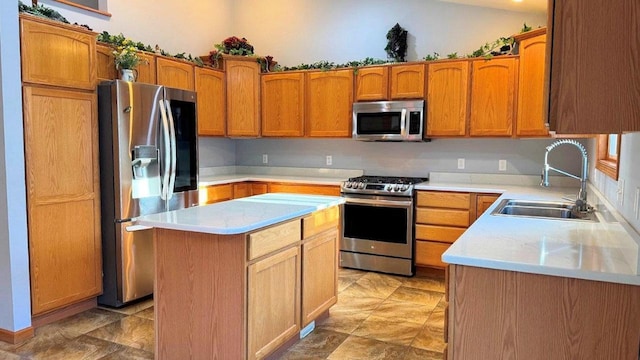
(387, 203)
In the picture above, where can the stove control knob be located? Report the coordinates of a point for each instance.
(349, 184)
(397, 187)
(389, 187)
(361, 185)
(405, 187)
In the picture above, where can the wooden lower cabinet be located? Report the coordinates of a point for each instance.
(243, 296)
(215, 193)
(319, 274)
(258, 188)
(304, 189)
(63, 196)
(242, 189)
(273, 302)
(441, 218)
(493, 313)
(484, 201)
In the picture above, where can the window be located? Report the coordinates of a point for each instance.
(97, 6)
(607, 151)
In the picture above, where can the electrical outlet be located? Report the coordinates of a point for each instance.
(636, 203)
(620, 192)
(502, 165)
(460, 164)
(265, 158)
(329, 160)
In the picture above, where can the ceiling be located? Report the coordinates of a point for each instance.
(524, 5)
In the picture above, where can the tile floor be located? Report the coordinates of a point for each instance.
(377, 317)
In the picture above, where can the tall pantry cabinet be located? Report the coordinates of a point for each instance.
(61, 155)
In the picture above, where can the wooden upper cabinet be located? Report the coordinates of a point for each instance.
(53, 53)
(329, 103)
(243, 96)
(447, 98)
(530, 117)
(106, 68)
(283, 104)
(147, 69)
(372, 83)
(174, 73)
(407, 81)
(61, 133)
(594, 57)
(212, 109)
(493, 97)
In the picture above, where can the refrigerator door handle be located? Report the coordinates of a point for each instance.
(172, 131)
(167, 152)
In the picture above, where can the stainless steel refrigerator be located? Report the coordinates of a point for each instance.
(148, 164)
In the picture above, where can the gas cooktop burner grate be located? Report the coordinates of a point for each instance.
(388, 180)
(381, 185)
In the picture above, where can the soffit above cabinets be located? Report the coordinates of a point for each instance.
(524, 5)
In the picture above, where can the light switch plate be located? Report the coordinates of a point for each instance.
(502, 165)
(620, 192)
(329, 160)
(460, 164)
(265, 158)
(636, 203)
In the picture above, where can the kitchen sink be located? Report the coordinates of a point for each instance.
(541, 209)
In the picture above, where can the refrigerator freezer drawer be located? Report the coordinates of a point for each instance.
(136, 253)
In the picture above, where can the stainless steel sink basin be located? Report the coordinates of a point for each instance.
(541, 209)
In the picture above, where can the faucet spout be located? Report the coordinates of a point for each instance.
(581, 198)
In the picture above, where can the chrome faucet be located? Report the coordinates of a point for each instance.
(581, 199)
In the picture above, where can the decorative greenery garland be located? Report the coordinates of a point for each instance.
(119, 41)
(488, 50)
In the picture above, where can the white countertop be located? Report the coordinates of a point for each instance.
(240, 215)
(607, 250)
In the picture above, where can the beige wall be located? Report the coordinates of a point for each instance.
(190, 26)
(297, 31)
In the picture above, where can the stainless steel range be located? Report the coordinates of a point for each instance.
(378, 231)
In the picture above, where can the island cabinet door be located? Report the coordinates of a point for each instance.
(319, 274)
(273, 313)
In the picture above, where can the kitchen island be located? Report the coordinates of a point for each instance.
(535, 288)
(241, 278)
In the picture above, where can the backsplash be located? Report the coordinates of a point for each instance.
(628, 178)
(523, 156)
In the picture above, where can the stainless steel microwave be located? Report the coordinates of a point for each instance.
(389, 120)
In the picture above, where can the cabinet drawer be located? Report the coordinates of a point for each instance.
(215, 193)
(320, 221)
(449, 200)
(273, 238)
(438, 233)
(429, 253)
(442, 217)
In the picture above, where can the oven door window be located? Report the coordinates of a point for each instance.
(379, 123)
(386, 224)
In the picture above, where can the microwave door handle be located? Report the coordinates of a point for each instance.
(167, 151)
(403, 120)
(172, 134)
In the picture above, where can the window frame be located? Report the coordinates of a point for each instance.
(606, 164)
(83, 7)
